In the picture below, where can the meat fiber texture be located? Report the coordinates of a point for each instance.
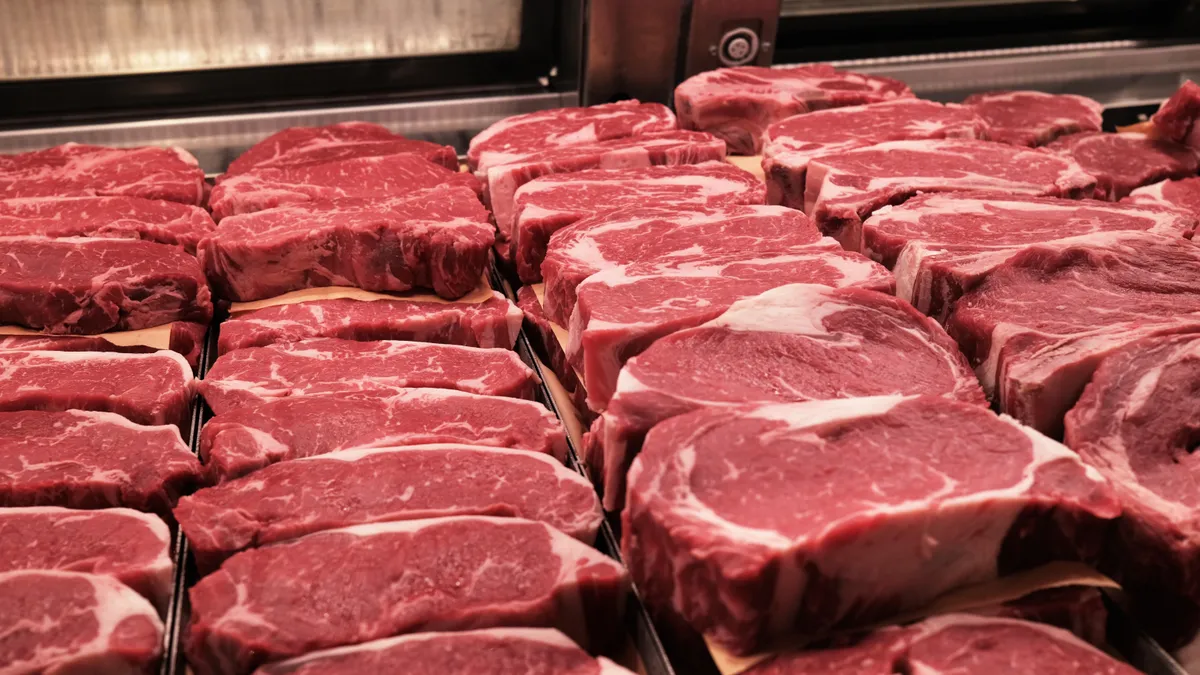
(372, 485)
(494, 322)
(124, 217)
(661, 148)
(512, 651)
(738, 104)
(357, 177)
(1122, 162)
(295, 427)
(954, 643)
(546, 342)
(1135, 422)
(132, 547)
(185, 339)
(619, 312)
(941, 246)
(75, 170)
(1038, 326)
(1182, 194)
(92, 460)
(300, 146)
(84, 623)
(1033, 118)
(144, 388)
(515, 138)
(437, 238)
(396, 578)
(258, 375)
(548, 204)
(730, 527)
(665, 236)
(793, 343)
(790, 144)
(844, 189)
(89, 285)
(1176, 118)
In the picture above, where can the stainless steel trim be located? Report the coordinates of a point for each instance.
(632, 50)
(827, 7)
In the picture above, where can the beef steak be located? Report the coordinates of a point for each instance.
(184, 338)
(298, 146)
(75, 170)
(1182, 194)
(161, 221)
(1122, 162)
(1176, 118)
(1033, 118)
(544, 336)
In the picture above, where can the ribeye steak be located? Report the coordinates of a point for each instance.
(544, 336)
(184, 338)
(1033, 118)
(1176, 118)
(1122, 162)
(298, 146)
(162, 221)
(1182, 194)
(75, 170)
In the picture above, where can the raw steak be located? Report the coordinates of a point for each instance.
(1033, 118)
(132, 547)
(665, 236)
(1136, 423)
(258, 375)
(145, 388)
(1182, 194)
(489, 651)
(494, 322)
(793, 343)
(372, 485)
(940, 246)
(545, 340)
(514, 138)
(185, 339)
(548, 204)
(1176, 119)
(803, 501)
(1122, 162)
(70, 622)
(388, 176)
(88, 286)
(130, 217)
(843, 189)
(738, 104)
(75, 170)
(790, 144)
(298, 146)
(394, 578)
(663, 148)
(620, 311)
(248, 439)
(1039, 325)
(92, 460)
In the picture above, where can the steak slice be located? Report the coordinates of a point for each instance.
(132, 547)
(387, 176)
(298, 146)
(790, 144)
(75, 170)
(665, 236)
(1122, 162)
(372, 485)
(1033, 118)
(804, 499)
(514, 651)
(437, 238)
(1038, 326)
(843, 189)
(494, 322)
(1176, 118)
(88, 285)
(145, 388)
(1182, 194)
(257, 375)
(129, 217)
(546, 205)
(621, 311)
(185, 339)
(793, 343)
(940, 246)
(394, 578)
(514, 138)
(738, 104)
(84, 623)
(250, 438)
(92, 460)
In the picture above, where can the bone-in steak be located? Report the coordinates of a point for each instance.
(790, 144)
(1182, 194)
(946, 492)
(396, 578)
(794, 343)
(257, 375)
(1033, 118)
(738, 104)
(162, 221)
(843, 189)
(548, 204)
(298, 146)
(437, 238)
(75, 170)
(185, 338)
(1122, 162)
